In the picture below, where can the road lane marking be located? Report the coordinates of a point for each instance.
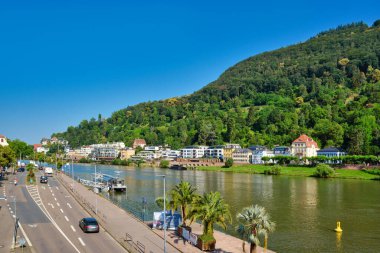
(72, 227)
(14, 216)
(58, 204)
(81, 241)
(61, 210)
(52, 194)
(26, 237)
(56, 187)
(55, 199)
(67, 219)
(69, 205)
(11, 212)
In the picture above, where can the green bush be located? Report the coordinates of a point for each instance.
(275, 170)
(164, 164)
(229, 162)
(323, 171)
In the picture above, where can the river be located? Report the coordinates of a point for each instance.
(305, 209)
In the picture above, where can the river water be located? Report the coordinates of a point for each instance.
(305, 209)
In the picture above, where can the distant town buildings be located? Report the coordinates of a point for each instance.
(127, 153)
(304, 146)
(3, 141)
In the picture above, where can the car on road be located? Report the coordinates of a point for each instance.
(20, 169)
(43, 179)
(89, 225)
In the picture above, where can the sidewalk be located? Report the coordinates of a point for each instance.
(119, 223)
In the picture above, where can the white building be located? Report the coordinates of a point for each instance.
(85, 151)
(258, 154)
(3, 141)
(304, 146)
(116, 145)
(105, 153)
(170, 154)
(145, 155)
(215, 152)
(193, 151)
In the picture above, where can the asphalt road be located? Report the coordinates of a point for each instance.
(50, 218)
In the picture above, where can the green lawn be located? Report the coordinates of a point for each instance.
(289, 171)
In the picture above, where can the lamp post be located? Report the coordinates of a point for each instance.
(96, 195)
(15, 231)
(164, 177)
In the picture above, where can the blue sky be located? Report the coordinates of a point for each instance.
(65, 61)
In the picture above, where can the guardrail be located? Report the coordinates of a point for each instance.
(134, 247)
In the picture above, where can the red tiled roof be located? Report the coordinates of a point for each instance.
(2, 136)
(139, 141)
(306, 139)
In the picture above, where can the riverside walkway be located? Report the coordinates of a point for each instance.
(137, 236)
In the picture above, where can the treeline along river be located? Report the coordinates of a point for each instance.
(305, 209)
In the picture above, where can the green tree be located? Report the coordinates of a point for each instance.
(183, 195)
(329, 133)
(323, 171)
(229, 162)
(21, 148)
(253, 222)
(164, 164)
(7, 156)
(210, 208)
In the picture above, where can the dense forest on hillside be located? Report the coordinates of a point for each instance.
(327, 87)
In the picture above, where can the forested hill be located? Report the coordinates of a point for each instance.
(327, 87)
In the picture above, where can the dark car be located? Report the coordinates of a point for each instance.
(44, 179)
(89, 225)
(20, 169)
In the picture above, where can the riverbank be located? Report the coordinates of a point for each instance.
(291, 171)
(137, 236)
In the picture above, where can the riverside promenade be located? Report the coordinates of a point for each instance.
(137, 236)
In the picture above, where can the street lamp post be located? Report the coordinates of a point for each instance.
(15, 231)
(164, 177)
(96, 195)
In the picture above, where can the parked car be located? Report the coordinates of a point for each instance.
(89, 225)
(20, 169)
(43, 179)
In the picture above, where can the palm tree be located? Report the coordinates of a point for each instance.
(182, 195)
(253, 222)
(210, 208)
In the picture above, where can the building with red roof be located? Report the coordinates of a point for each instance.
(304, 146)
(139, 143)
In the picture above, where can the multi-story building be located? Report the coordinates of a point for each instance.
(259, 153)
(331, 152)
(214, 152)
(3, 141)
(85, 151)
(105, 153)
(144, 155)
(304, 146)
(193, 151)
(229, 148)
(171, 155)
(127, 153)
(242, 155)
(281, 150)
